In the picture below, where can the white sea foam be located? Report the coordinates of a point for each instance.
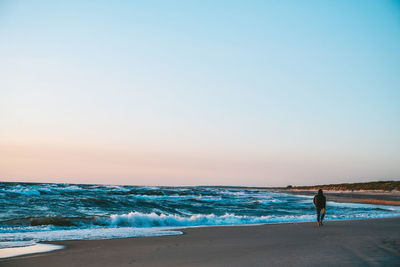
(16, 244)
(29, 238)
(18, 251)
(138, 219)
(137, 225)
(362, 206)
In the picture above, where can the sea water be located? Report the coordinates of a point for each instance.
(30, 213)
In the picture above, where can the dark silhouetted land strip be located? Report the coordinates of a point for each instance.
(385, 186)
(381, 193)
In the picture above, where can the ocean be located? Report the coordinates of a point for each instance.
(30, 213)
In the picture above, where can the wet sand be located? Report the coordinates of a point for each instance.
(345, 243)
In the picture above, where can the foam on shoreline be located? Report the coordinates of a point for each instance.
(19, 251)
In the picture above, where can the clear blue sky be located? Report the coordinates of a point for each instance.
(200, 92)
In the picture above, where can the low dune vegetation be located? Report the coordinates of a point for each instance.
(387, 186)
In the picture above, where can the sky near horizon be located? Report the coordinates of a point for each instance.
(253, 93)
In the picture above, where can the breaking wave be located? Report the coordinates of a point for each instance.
(138, 219)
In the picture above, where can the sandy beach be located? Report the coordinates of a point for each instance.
(346, 243)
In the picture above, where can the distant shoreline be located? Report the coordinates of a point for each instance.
(362, 197)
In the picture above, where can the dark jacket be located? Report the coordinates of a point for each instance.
(320, 201)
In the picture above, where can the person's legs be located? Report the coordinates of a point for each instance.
(318, 216)
(323, 214)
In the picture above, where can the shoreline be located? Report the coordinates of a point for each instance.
(361, 197)
(352, 242)
(40, 247)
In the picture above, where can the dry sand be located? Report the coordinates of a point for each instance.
(344, 243)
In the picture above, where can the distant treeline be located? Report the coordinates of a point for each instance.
(381, 185)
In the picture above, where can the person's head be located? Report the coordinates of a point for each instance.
(320, 192)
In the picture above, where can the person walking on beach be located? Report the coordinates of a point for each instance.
(320, 203)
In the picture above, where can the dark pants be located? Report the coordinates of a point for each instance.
(320, 214)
